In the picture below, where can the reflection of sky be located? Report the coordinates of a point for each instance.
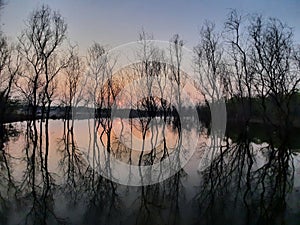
(116, 22)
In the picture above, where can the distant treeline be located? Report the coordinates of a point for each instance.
(239, 110)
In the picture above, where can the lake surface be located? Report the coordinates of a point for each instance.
(67, 175)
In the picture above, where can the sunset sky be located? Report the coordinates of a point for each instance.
(117, 22)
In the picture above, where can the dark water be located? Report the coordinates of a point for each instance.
(49, 176)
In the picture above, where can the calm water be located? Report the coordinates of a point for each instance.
(54, 178)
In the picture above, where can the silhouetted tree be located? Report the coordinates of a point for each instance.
(39, 45)
(276, 81)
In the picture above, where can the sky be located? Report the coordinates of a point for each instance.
(116, 22)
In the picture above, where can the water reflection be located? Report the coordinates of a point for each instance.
(251, 180)
(47, 179)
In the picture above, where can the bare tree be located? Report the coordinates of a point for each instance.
(96, 74)
(9, 68)
(39, 45)
(276, 80)
(208, 62)
(146, 71)
(74, 82)
(7, 73)
(211, 69)
(176, 61)
(101, 97)
(242, 74)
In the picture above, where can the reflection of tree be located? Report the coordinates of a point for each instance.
(160, 203)
(103, 201)
(238, 179)
(72, 163)
(7, 133)
(36, 191)
(7, 186)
